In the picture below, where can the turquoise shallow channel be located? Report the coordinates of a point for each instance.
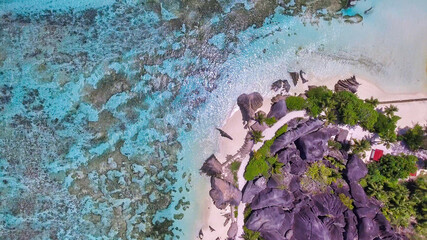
(108, 107)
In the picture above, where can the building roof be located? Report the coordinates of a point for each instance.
(376, 154)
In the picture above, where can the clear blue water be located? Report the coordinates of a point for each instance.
(107, 108)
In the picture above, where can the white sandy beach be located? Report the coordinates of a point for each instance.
(410, 113)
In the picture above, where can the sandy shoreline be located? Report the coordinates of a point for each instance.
(410, 113)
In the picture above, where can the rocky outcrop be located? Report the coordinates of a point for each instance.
(212, 167)
(295, 77)
(290, 136)
(278, 110)
(356, 169)
(232, 231)
(301, 74)
(272, 197)
(349, 85)
(281, 85)
(342, 136)
(252, 188)
(224, 193)
(248, 104)
(313, 146)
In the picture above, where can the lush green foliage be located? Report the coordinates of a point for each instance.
(400, 202)
(318, 99)
(414, 137)
(334, 144)
(337, 164)
(295, 103)
(360, 147)
(234, 167)
(348, 202)
(270, 121)
(396, 167)
(262, 118)
(386, 127)
(320, 173)
(372, 101)
(251, 235)
(247, 212)
(418, 189)
(261, 162)
(352, 110)
(257, 136)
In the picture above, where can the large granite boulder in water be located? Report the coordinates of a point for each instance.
(248, 104)
(356, 169)
(290, 136)
(212, 167)
(313, 146)
(252, 188)
(278, 110)
(281, 85)
(224, 193)
(272, 197)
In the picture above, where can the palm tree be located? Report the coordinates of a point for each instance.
(257, 136)
(260, 117)
(390, 110)
(373, 101)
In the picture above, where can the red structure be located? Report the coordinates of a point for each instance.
(376, 154)
(413, 174)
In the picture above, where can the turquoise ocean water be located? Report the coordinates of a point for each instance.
(108, 108)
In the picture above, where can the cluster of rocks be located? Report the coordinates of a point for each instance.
(284, 86)
(349, 84)
(283, 209)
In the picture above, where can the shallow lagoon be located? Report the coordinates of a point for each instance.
(108, 108)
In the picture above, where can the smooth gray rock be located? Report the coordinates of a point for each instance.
(342, 136)
(248, 104)
(252, 188)
(232, 231)
(367, 229)
(308, 226)
(368, 212)
(290, 136)
(278, 110)
(224, 193)
(272, 197)
(281, 85)
(358, 194)
(212, 167)
(349, 84)
(356, 169)
(313, 146)
(351, 226)
(268, 234)
(329, 205)
(272, 217)
(298, 166)
(286, 155)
